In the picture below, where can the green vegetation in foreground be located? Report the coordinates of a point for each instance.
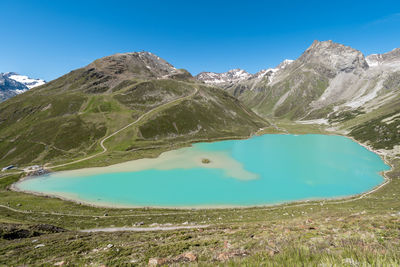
(361, 232)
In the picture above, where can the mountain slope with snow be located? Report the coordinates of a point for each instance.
(235, 76)
(25, 80)
(225, 78)
(12, 84)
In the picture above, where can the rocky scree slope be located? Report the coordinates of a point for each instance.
(66, 118)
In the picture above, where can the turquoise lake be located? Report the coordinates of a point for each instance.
(262, 170)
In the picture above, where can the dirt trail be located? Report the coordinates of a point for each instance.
(123, 128)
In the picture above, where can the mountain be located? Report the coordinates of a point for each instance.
(237, 81)
(25, 80)
(66, 118)
(235, 76)
(9, 87)
(388, 59)
(288, 90)
(143, 65)
(12, 84)
(329, 84)
(333, 84)
(226, 78)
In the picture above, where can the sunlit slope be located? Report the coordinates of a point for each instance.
(67, 117)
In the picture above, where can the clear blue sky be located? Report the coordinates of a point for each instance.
(47, 39)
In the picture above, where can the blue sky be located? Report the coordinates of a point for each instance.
(47, 39)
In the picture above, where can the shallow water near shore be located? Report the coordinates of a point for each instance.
(262, 170)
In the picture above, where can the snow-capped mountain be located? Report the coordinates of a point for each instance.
(238, 75)
(12, 84)
(270, 73)
(232, 76)
(25, 80)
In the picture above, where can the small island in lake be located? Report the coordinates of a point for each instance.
(205, 161)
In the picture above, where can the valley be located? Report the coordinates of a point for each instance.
(136, 105)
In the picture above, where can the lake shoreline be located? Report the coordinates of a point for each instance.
(307, 201)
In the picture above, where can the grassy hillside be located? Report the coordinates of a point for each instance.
(66, 118)
(380, 128)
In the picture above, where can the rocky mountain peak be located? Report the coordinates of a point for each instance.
(334, 56)
(134, 64)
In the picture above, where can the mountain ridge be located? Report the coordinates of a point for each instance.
(66, 118)
(237, 75)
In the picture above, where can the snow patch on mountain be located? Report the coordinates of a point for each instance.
(279, 68)
(285, 63)
(239, 75)
(232, 76)
(25, 80)
(12, 84)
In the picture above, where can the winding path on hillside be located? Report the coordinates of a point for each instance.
(125, 127)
